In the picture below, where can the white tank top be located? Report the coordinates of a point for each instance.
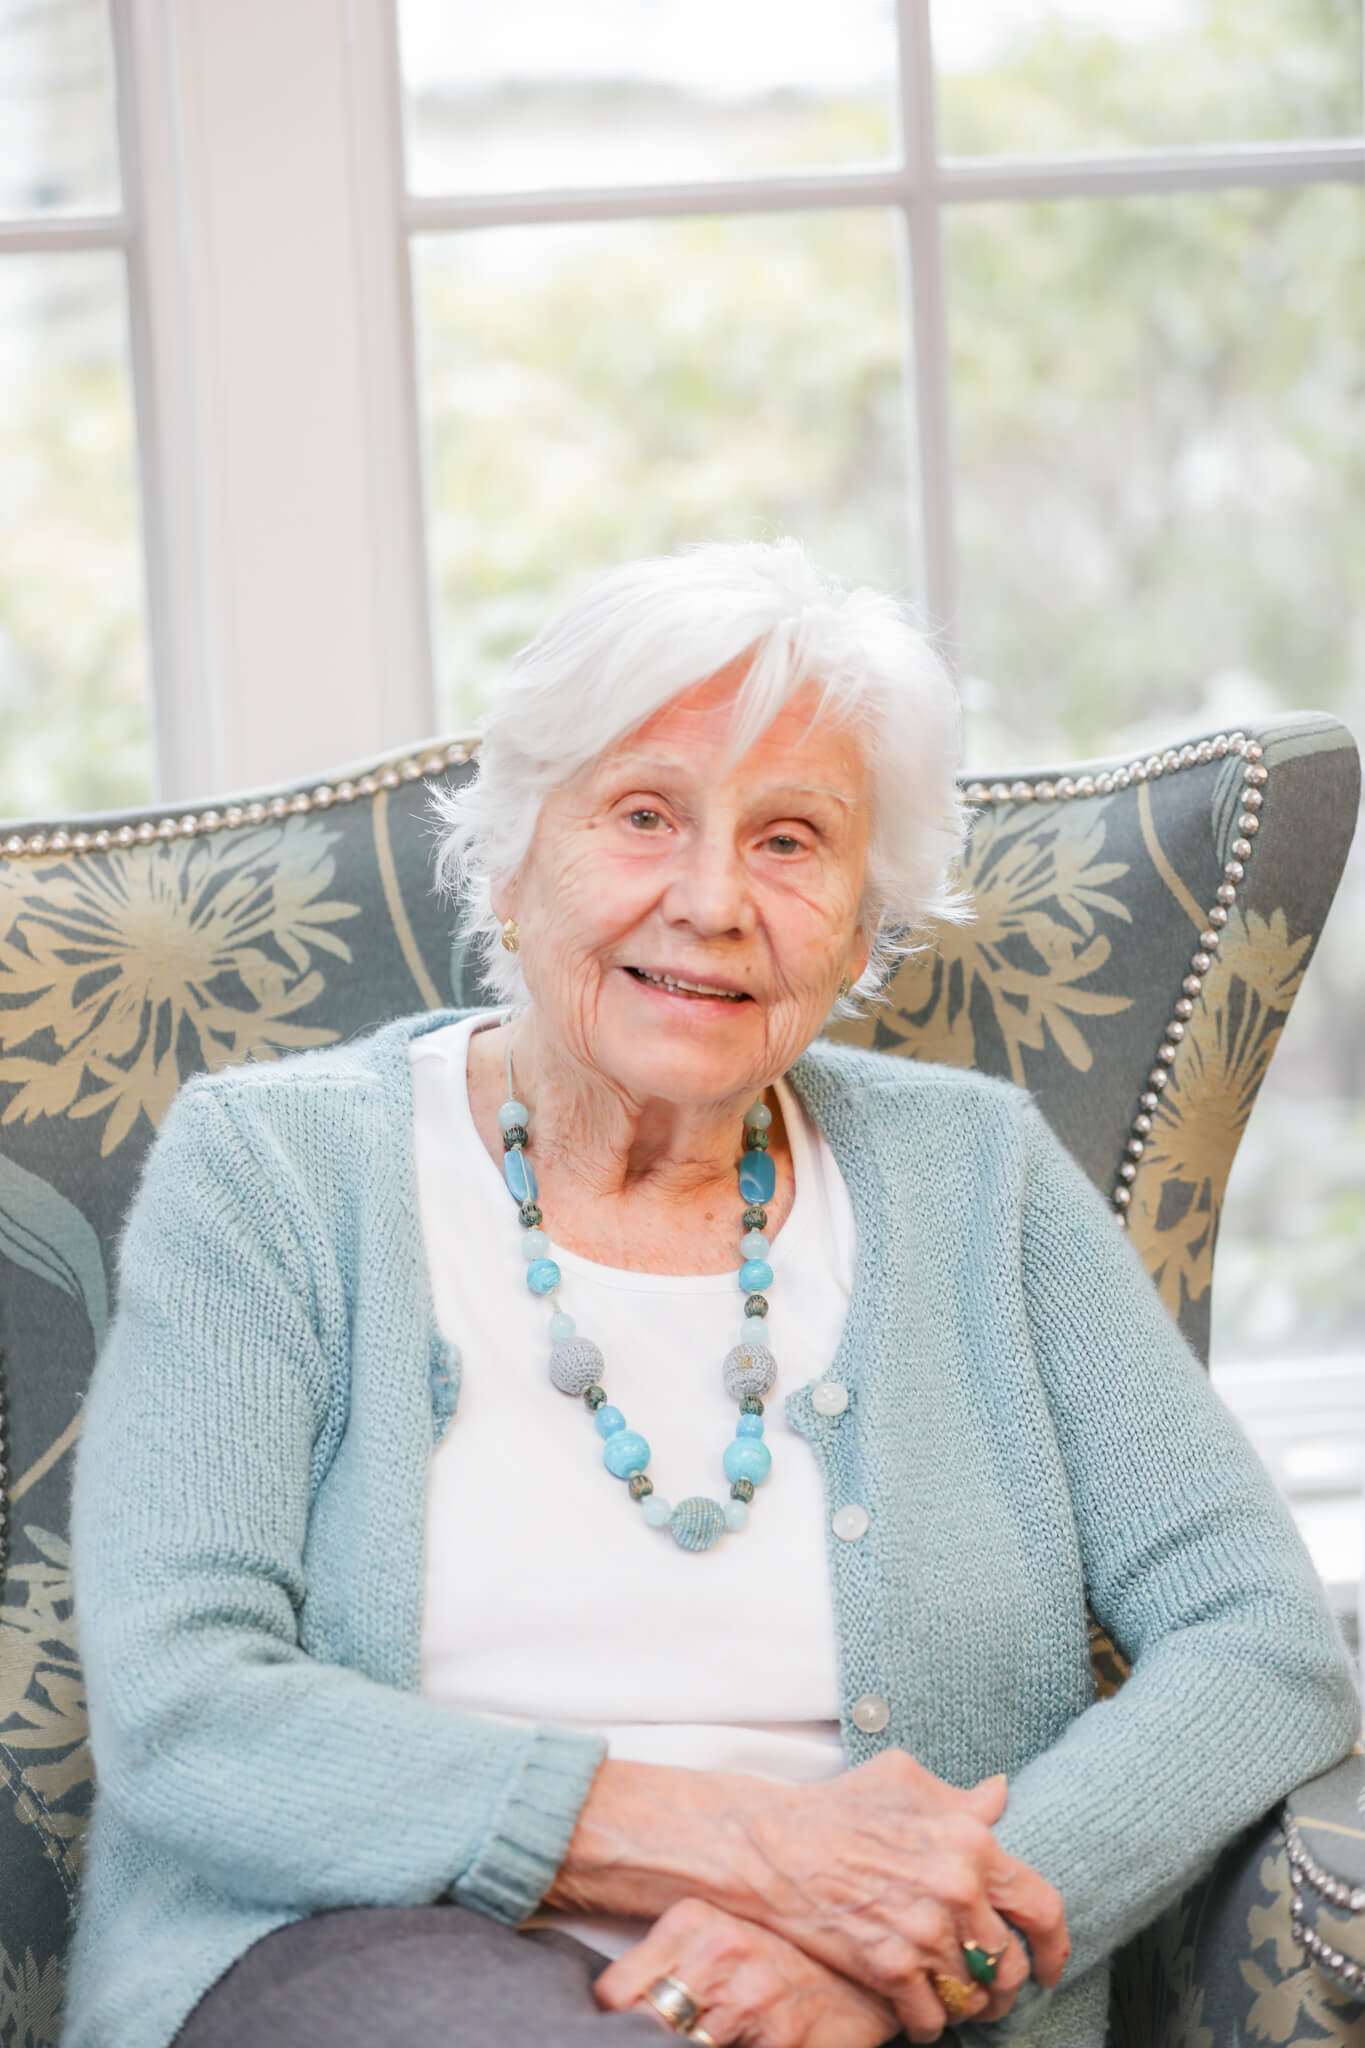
(547, 1597)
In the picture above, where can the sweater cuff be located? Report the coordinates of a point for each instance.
(531, 1828)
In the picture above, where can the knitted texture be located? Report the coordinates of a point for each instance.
(1025, 1423)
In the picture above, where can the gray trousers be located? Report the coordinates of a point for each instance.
(411, 1977)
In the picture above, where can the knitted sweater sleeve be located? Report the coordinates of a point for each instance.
(1240, 1687)
(281, 1780)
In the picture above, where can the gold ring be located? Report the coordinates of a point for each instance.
(956, 1997)
(675, 2005)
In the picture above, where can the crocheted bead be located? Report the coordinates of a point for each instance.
(624, 1453)
(749, 1369)
(757, 1117)
(736, 1514)
(640, 1486)
(610, 1421)
(755, 1218)
(745, 1459)
(519, 1174)
(542, 1275)
(749, 1425)
(755, 1275)
(697, 1523)
(757, 1177)
(657, 1511)
(513, 1113)
(754, 1245)
(575, 1366)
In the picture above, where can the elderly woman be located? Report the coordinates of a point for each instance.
(613, 1475)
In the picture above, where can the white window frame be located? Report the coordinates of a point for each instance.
(916, 189)
(274, 360)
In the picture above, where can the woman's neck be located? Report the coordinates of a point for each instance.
(623, 1181)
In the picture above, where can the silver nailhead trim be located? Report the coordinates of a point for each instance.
(191, 825)
(1254, 778)
(1304, 1869)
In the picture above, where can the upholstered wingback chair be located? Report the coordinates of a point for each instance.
(1142, 930)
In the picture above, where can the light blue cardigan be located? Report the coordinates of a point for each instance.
(1025, 1425)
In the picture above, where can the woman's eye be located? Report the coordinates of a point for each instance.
(785, 842)
(646, 821)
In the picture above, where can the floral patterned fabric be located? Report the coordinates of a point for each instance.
(135, 952)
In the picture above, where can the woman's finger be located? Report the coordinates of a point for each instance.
(993, 1937)
(625, 1982)
(1035, 1908)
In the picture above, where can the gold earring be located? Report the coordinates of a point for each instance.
(845, 985)
(510, 938)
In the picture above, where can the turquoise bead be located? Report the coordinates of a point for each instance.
(749, 1425)
(562, 1327)
(534, 1245)
(626, 1452)
(745, 1459)
(697, 1523)
(609, 1421)
(513, 1113)
(519, 1174)
(757, 1177)
(758, 1117)
(657, 1511)
(755, 1275)
(754, 1245)
(542, 1276)
(736, 1516)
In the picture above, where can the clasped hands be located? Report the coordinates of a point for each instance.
(856, 1893)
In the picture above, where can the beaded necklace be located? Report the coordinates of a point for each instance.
(576, 1363)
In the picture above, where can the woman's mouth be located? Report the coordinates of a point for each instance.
(677, 985)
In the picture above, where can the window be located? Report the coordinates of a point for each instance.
(74, 683)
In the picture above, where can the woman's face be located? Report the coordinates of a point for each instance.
(685, 921)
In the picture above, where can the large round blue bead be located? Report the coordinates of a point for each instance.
(757, 1177)
(746, 1458)
(624, 1453)
(542, 1276)
(519, 1174)
(755, 1275)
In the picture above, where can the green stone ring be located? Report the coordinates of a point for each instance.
(982, 1964)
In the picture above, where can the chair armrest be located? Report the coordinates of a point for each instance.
(1325, 1837)
(1228, 1963)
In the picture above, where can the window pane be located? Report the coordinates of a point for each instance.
(1016, 77)
(58, 136)
(1161, 497)
(532, 94)
(592, 394)
(73, 653)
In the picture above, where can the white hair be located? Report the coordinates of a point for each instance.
(644, 633)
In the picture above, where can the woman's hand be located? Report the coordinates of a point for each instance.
(753, 1987)
(885, 1872)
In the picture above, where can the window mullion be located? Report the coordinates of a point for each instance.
(926, 327)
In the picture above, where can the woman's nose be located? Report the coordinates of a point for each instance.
(708, 888)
